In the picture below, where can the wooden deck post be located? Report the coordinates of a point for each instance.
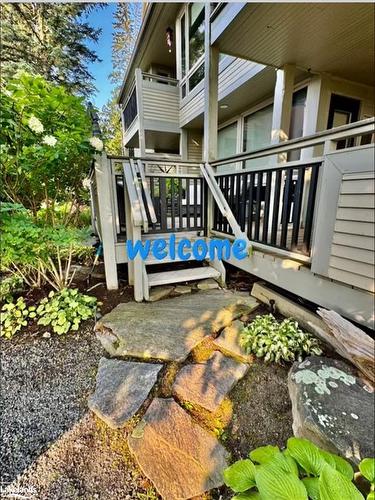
(103, 176)
(282, 104)
(211, 106)
(141, 128)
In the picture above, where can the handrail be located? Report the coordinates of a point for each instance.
(153, 160)
(153, 76)
(133, 197)
(336, 134)
(150, 204)
(139, 195)
(222, 203)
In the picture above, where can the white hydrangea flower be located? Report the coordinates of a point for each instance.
(50, 140)
(96, 143)
(35, 125)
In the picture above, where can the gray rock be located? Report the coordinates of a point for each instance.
(332, 407)
(159, 292)
(169, 330)
(229, 341)
(208, 284)
(121, 389)
(176, 454)
(206, 384)
(182, 289)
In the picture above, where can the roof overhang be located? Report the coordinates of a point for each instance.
(334, 38)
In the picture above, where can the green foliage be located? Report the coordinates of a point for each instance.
(45, 143)
(65, 310)
(367, 469)
(14, 316)
(10, 285)
(302, 471)
(29, 247)
(49, 39)
(275, 341)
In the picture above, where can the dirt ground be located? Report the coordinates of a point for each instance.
(54, 448)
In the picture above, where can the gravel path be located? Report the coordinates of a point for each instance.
(51, 446)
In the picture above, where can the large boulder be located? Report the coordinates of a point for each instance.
(332, 407)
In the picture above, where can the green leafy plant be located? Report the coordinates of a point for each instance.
(276, 341)
(10, 285)
(14, 316)
(65, 310)
(302, 471)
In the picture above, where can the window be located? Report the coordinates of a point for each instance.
(296, 120)
(191, 57)
(196, 32)
(257, 133)
(227, 141)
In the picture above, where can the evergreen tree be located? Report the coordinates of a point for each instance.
(49, 39)
(126, 24)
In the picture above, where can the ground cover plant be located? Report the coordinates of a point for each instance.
(302, 471)
(278, 341)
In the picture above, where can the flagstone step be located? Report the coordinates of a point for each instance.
(206, 384)
(175, 453)
(121, 389)
(168, 330)
(182, 275)
(229, 341)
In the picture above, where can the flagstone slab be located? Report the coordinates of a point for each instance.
(121, 389)
(207, 384)
(175, 453)
(229, 341)
(170, 329)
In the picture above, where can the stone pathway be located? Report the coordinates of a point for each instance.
(178, 455)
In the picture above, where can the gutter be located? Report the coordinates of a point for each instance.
(146, 19)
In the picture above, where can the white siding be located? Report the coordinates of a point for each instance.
(160, 102)
(352, 251)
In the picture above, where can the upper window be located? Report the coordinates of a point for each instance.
(258, 129)
(191, 43)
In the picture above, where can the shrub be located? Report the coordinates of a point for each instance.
(10, 285)
(45, 142)
(14, 316)
(65, 310)
(266, 337)
(300, 472)
(34, 251)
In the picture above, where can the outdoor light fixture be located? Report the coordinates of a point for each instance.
(224, 106)
(169, 38)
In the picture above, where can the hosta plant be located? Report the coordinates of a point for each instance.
(302, 471)
(65, 310)
(275, 341)
(14, 316)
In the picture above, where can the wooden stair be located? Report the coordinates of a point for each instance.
(182, 275)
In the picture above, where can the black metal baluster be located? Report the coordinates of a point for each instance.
(257, 205)
(310, 208)
(251, 202)
(195, 202)
(163, 204)
(276, 204)
(297, 206)
(180, 221)
(286, 207)
(188, 203)
(171, 180)
(243, 202)
(267, 206)
(226, 193)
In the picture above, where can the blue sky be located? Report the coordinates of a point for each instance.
(102, 18)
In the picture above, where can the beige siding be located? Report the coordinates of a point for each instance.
(194, 147)
(352, 251)
(231, 76)
(160, 102)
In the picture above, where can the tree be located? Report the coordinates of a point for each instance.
(126, 24)
(48, 39)
(45, 144)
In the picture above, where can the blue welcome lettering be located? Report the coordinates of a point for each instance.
(138, 247)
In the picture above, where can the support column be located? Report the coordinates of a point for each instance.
(141, 128)
(103, 177)
(184, 144)
(211, 106)
(282, 103)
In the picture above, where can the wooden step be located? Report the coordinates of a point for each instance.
(151, 259)
(192, 274)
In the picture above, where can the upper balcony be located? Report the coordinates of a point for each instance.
(151, 110)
